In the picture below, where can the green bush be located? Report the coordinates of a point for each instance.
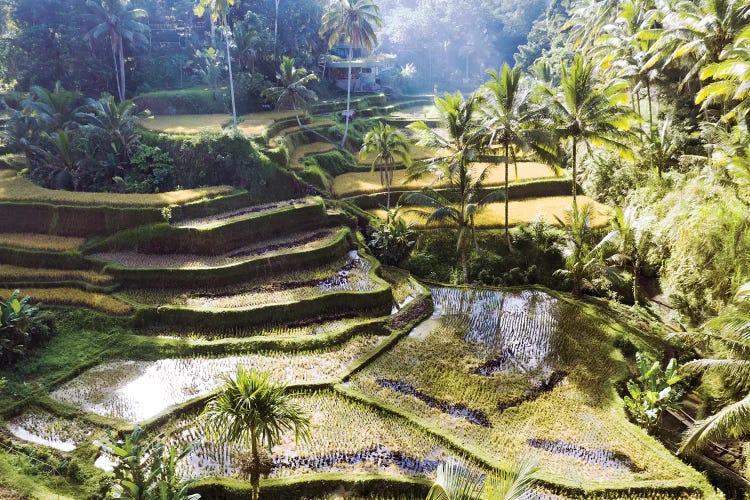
(152, 171)
(22, 327)
(317, 177)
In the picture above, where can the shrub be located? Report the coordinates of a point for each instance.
(22, 327)
(655, 390)
(392, 240)
(152, 171)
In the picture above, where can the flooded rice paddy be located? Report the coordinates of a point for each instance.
(41, 427)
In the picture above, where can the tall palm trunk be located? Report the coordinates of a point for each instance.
(388, 181)
(276, 32)
(254, 470)
(113, 36)
(636, 267)
(121, 51)
(231, 81)
(575, 175)
(507, 231)
(348, 95)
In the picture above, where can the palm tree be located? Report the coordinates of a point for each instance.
(253, 412)
(583, 262)
(697, 31)
(729, 337)
(244, 41)
(292, 92)
(354, 23)
(219, 10)
(55, 109)
(632, 237)
(730, 79)
(115, 19)
(455, 481)
(588, 112)
(509, 119)
(116, 124)
(462, 146)
(387, 144)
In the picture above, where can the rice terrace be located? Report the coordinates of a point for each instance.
(374, 249)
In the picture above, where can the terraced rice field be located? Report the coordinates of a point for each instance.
(66, 296)
(14, 188)
(350, 273)
(296, 162)
(416, 152)
(17, 274)
(32, 241)
(354, 183)
(187, 124)
(298, 242)
(255, 124)
(226, 217)
(426, 112)
(519, 212)
(137, 390)
(545, 390)
(282, 332)
(41, 427)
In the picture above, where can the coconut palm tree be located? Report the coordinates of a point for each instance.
(352, 22)
(253, 412)
(696, 32)
(292, 92)
(632, 237)
(455, 481)
(589, 113)
(114, 18)
(388, 145)
(728, 338)
(462, 144)
(218, 10)
(509, 118)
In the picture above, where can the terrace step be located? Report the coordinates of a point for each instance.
(347, 286)
(17, 276)
(293, 251)
(297, 160)
(218, 234)
(35, 241)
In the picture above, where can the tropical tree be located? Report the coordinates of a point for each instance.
(455, 481)
(632, 238)
(461, 145)
(352, 22)
(727, 337)
(387, 145)
(509, 117)
(245, 39)
(292, 92)
(114, 18)
(583, 262)
(218, 10)
(253, 412)
(146, 470)
(696, 32)
(115, 124)
(590, 113)
(55, 109)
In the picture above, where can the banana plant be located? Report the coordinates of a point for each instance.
(654, 391)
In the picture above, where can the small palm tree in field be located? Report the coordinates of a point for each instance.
(388, 144)
(253, 412)
(455, 481)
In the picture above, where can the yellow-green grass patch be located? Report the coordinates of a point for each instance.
(20, 274)
(187, 124)
(257, 123)
(416, 152)
(315, 125)
(19, 189)
(35, 241)
(298, 157)
(66, 296)
(354, 183)
(520, 212)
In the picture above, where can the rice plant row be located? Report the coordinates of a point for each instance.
(41, 427)
(300, 241)
(73, 297)
(33, 241)
(15, 274)
(214, 220)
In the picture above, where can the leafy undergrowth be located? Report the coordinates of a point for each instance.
(354, 183)
(14, 188)
(32, 241)
(519, 212)
(575, 427)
